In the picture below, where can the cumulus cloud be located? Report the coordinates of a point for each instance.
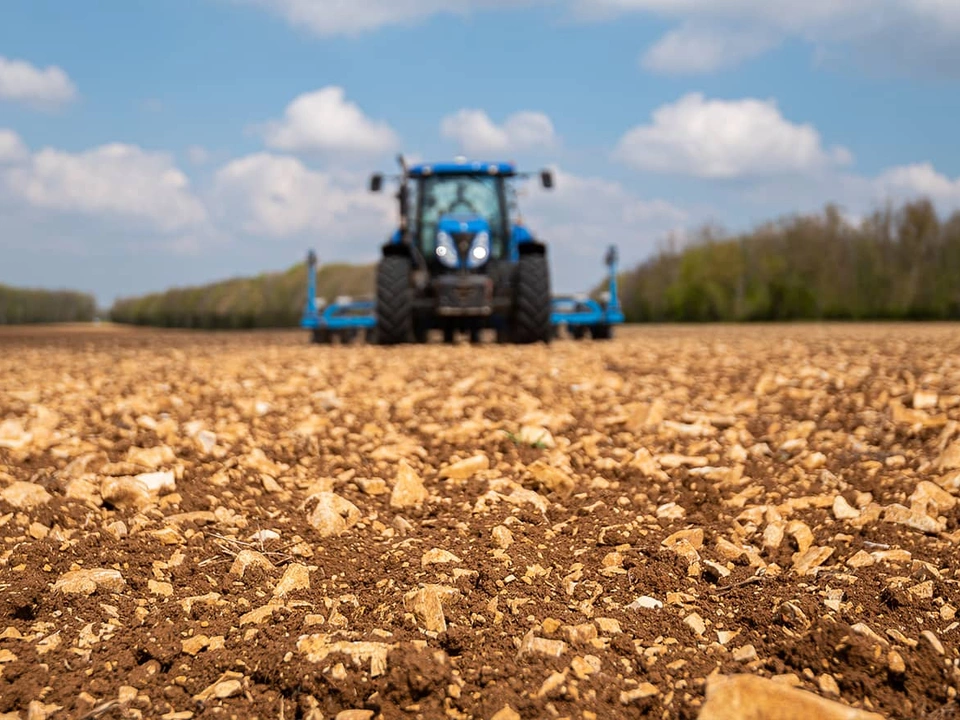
(278, 196)
(475, 132)
(885, 34)
(693, 49)
(25, 83)
(918, 180)
(325, 18)
(726, 139)
(12, 148)
(742, 29)
(325, 121)
(787, 13)
(114, 180)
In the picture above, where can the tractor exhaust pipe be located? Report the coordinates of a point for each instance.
(403, 197)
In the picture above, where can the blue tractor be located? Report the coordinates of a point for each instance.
(457, 263)
(461, 261)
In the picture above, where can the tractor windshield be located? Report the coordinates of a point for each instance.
(462, 195)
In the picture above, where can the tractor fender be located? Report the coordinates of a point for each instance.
(532, 247)
(392, 249)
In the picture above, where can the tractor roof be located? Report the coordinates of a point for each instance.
(463, 167)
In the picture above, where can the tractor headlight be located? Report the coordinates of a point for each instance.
(446, 252)
(480, 251)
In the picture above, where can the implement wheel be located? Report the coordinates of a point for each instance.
(394, 301)
(320, 336)
(601, 332)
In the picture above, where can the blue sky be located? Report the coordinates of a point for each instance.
(152, 143)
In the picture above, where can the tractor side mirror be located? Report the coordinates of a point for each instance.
(546, 179)
(376, 182)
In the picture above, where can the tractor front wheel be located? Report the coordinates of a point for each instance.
(394, 301)
(531, 315)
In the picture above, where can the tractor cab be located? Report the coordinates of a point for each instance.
(456, 216)
(460, 221)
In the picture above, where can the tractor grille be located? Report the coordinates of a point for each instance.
(462, 241)
(464, 295)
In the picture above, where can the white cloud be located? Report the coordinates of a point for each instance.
(12, 148)
(787, 13)
(582, 216)
(726, 139)
(694, 49)
(918, 180)
(352, 17)
(923, 34)
(325, 121)
(475, 132)
(926, 30)
(22, 82)
(276, 196)
(115, 180)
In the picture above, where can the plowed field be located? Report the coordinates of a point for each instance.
(245, 525)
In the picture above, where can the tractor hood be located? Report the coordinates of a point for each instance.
(463, 240)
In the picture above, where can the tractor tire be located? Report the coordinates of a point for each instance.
(532, 303)
(394, 301)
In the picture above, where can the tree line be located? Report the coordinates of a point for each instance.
(265, 301)
(900, 263)
(20, 306)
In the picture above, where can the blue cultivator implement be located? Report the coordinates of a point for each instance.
(461, 261)
(582, 315)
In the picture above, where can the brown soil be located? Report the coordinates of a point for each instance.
(768, 444)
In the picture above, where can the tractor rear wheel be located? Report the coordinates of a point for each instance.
(531, 314)
(394, 301)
